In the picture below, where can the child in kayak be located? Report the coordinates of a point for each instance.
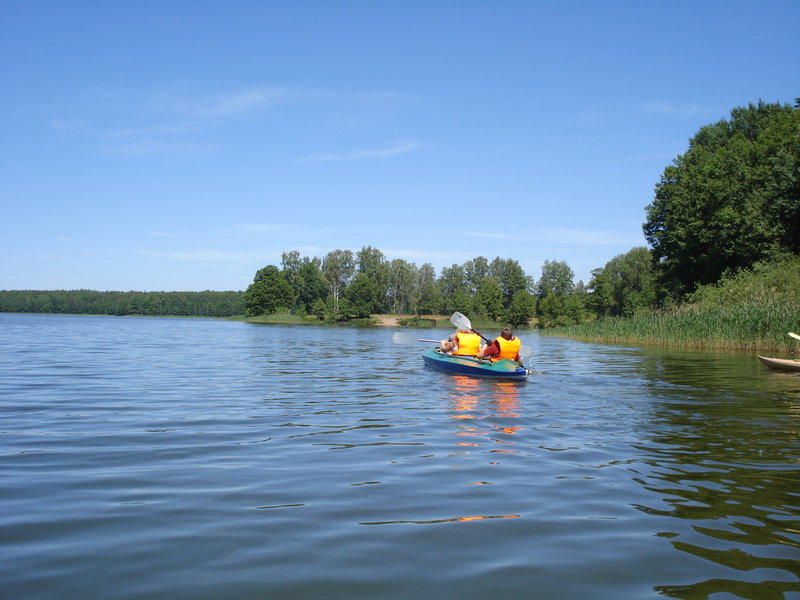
(503, 346)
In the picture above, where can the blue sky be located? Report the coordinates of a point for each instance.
(176, 145)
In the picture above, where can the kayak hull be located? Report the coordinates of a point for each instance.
(466, 365)
(784, 364)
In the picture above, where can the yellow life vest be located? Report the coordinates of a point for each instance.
(468, 344)
(508, 348)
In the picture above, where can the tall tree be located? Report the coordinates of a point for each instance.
(268, 293)
(372, 263)
(337, 269)
(731, 200)
(522, 309)
(624, 285)
(556, 279)
(402, 278)
(474, 271)
(425, 290)
(489, 298)
(312, 286)
(290, 264)
(453, 288)
(510, 276)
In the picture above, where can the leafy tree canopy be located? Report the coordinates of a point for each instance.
(731, 200)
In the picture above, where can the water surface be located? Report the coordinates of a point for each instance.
(150, 458)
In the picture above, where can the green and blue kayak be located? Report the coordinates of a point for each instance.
(474, 367)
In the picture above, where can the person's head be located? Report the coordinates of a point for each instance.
(507, 334)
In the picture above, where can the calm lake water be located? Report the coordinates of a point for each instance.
(150, 458)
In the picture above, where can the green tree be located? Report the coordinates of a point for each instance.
(372, 263)
(401, 286)
(556, 279)
(625, 285)
(311, 285)
(522, 309)
(337, 270)
(452, 284)
(425, 290)
(268, 293)
(363, 295)
(731, 200)
(510, 276)
(474, 271)
(489, 298)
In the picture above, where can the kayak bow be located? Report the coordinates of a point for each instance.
(784, 364)
(474, 367)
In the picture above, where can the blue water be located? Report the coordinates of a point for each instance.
(150, 458)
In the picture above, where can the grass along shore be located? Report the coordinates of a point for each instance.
(750, 310)
(751, 327)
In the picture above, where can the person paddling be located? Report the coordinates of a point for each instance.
(462, 343)
(503, 346)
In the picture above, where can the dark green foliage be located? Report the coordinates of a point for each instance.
(522, 309)
(731, 200)
(624, 286)
(268, 293)
(556, 279)
(183, 304)
(364, 296)
(489, 299)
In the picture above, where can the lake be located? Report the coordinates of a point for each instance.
(157, 458)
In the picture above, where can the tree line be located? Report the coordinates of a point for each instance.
(185, 304)
(344, 285)
(731, 202)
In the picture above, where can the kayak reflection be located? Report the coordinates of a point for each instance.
(474, 400)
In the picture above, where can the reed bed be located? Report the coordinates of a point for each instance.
(752, 326)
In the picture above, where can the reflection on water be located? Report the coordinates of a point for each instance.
(477, 401)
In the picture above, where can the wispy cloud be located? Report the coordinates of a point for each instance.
(254, 227)
(420, 254)
(162, 121)
(585, 237)
(484, 234)
(204, 256)
(676, 109)
(372, 154)
(221, 105)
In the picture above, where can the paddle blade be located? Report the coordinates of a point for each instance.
(460, 321)
(794, 335)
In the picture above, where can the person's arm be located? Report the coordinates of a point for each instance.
(448, 344)
(489, 350)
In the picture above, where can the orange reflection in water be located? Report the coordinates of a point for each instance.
(478, 399)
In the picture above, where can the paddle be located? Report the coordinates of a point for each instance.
(462, 322)
(434, 341)
(794, 335)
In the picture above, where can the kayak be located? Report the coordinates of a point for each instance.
(474, 367)
(785, 364)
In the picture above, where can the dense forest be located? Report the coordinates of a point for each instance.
(184, 304)
(729, 205)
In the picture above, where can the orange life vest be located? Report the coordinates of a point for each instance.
(468, 344)
(508, 348)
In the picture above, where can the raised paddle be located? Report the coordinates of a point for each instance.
(794, 335)
(462, 322)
